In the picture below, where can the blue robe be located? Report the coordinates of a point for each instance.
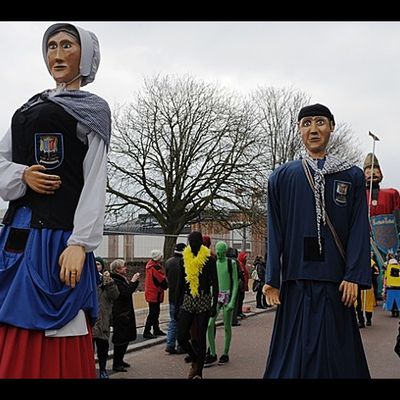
(315, 335)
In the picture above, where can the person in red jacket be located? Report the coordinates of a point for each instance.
(154, 286)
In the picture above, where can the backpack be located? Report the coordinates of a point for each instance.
(240, 274)
(254, 275)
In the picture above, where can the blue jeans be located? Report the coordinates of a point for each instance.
(171, 334)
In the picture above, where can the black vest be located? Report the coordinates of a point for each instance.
(46, 134)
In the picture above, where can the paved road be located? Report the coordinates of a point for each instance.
(249, 348)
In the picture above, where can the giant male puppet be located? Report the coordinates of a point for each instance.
(384, 212)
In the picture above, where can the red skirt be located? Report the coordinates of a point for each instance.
(30, 354)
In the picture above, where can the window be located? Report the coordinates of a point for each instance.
(241, 239)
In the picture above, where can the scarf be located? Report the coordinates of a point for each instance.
(193, 267)
(331, 165)
(87, 108)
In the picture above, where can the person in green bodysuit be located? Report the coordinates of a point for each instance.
(228, 289)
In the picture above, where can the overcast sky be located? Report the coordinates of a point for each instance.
(352, 67)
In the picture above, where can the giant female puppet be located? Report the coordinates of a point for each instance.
(53, 163)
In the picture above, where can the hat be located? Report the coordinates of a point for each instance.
(156, 255)
(368, 161)
(180, 247)
(206, 241)
(195, 240)
(231, 252)
(90, 49)
(101, 261)
(316, 110)
(392, 261)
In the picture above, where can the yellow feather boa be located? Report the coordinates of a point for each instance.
(193, 267)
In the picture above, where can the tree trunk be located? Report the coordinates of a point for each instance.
(169, 246)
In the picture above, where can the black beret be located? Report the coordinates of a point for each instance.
(316, 110)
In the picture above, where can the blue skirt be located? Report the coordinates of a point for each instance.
(32, 295)
(315, 335)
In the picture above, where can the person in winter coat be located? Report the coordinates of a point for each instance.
(154, 286)
(123, 313)
(366, 300)
(259, 267)
(233, 253)
(172, 267)
(107, 292)
(242, 258)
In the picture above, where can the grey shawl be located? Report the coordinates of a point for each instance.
(88, 108)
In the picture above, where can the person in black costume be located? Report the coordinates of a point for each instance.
(196, 296)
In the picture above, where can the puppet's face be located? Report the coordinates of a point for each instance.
(376, 176)
(63, 57)
(315, 133)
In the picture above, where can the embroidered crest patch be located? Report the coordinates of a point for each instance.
(49, 149)
(340, 192)
(384, 232)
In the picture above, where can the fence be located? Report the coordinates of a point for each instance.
(137, 246)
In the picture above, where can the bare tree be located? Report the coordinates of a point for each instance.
(182, 150)
(345, 145)
(277, 111)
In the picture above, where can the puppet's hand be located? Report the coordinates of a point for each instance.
(41, 182)
(71, 262)
(349, 290)
(271, 295)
